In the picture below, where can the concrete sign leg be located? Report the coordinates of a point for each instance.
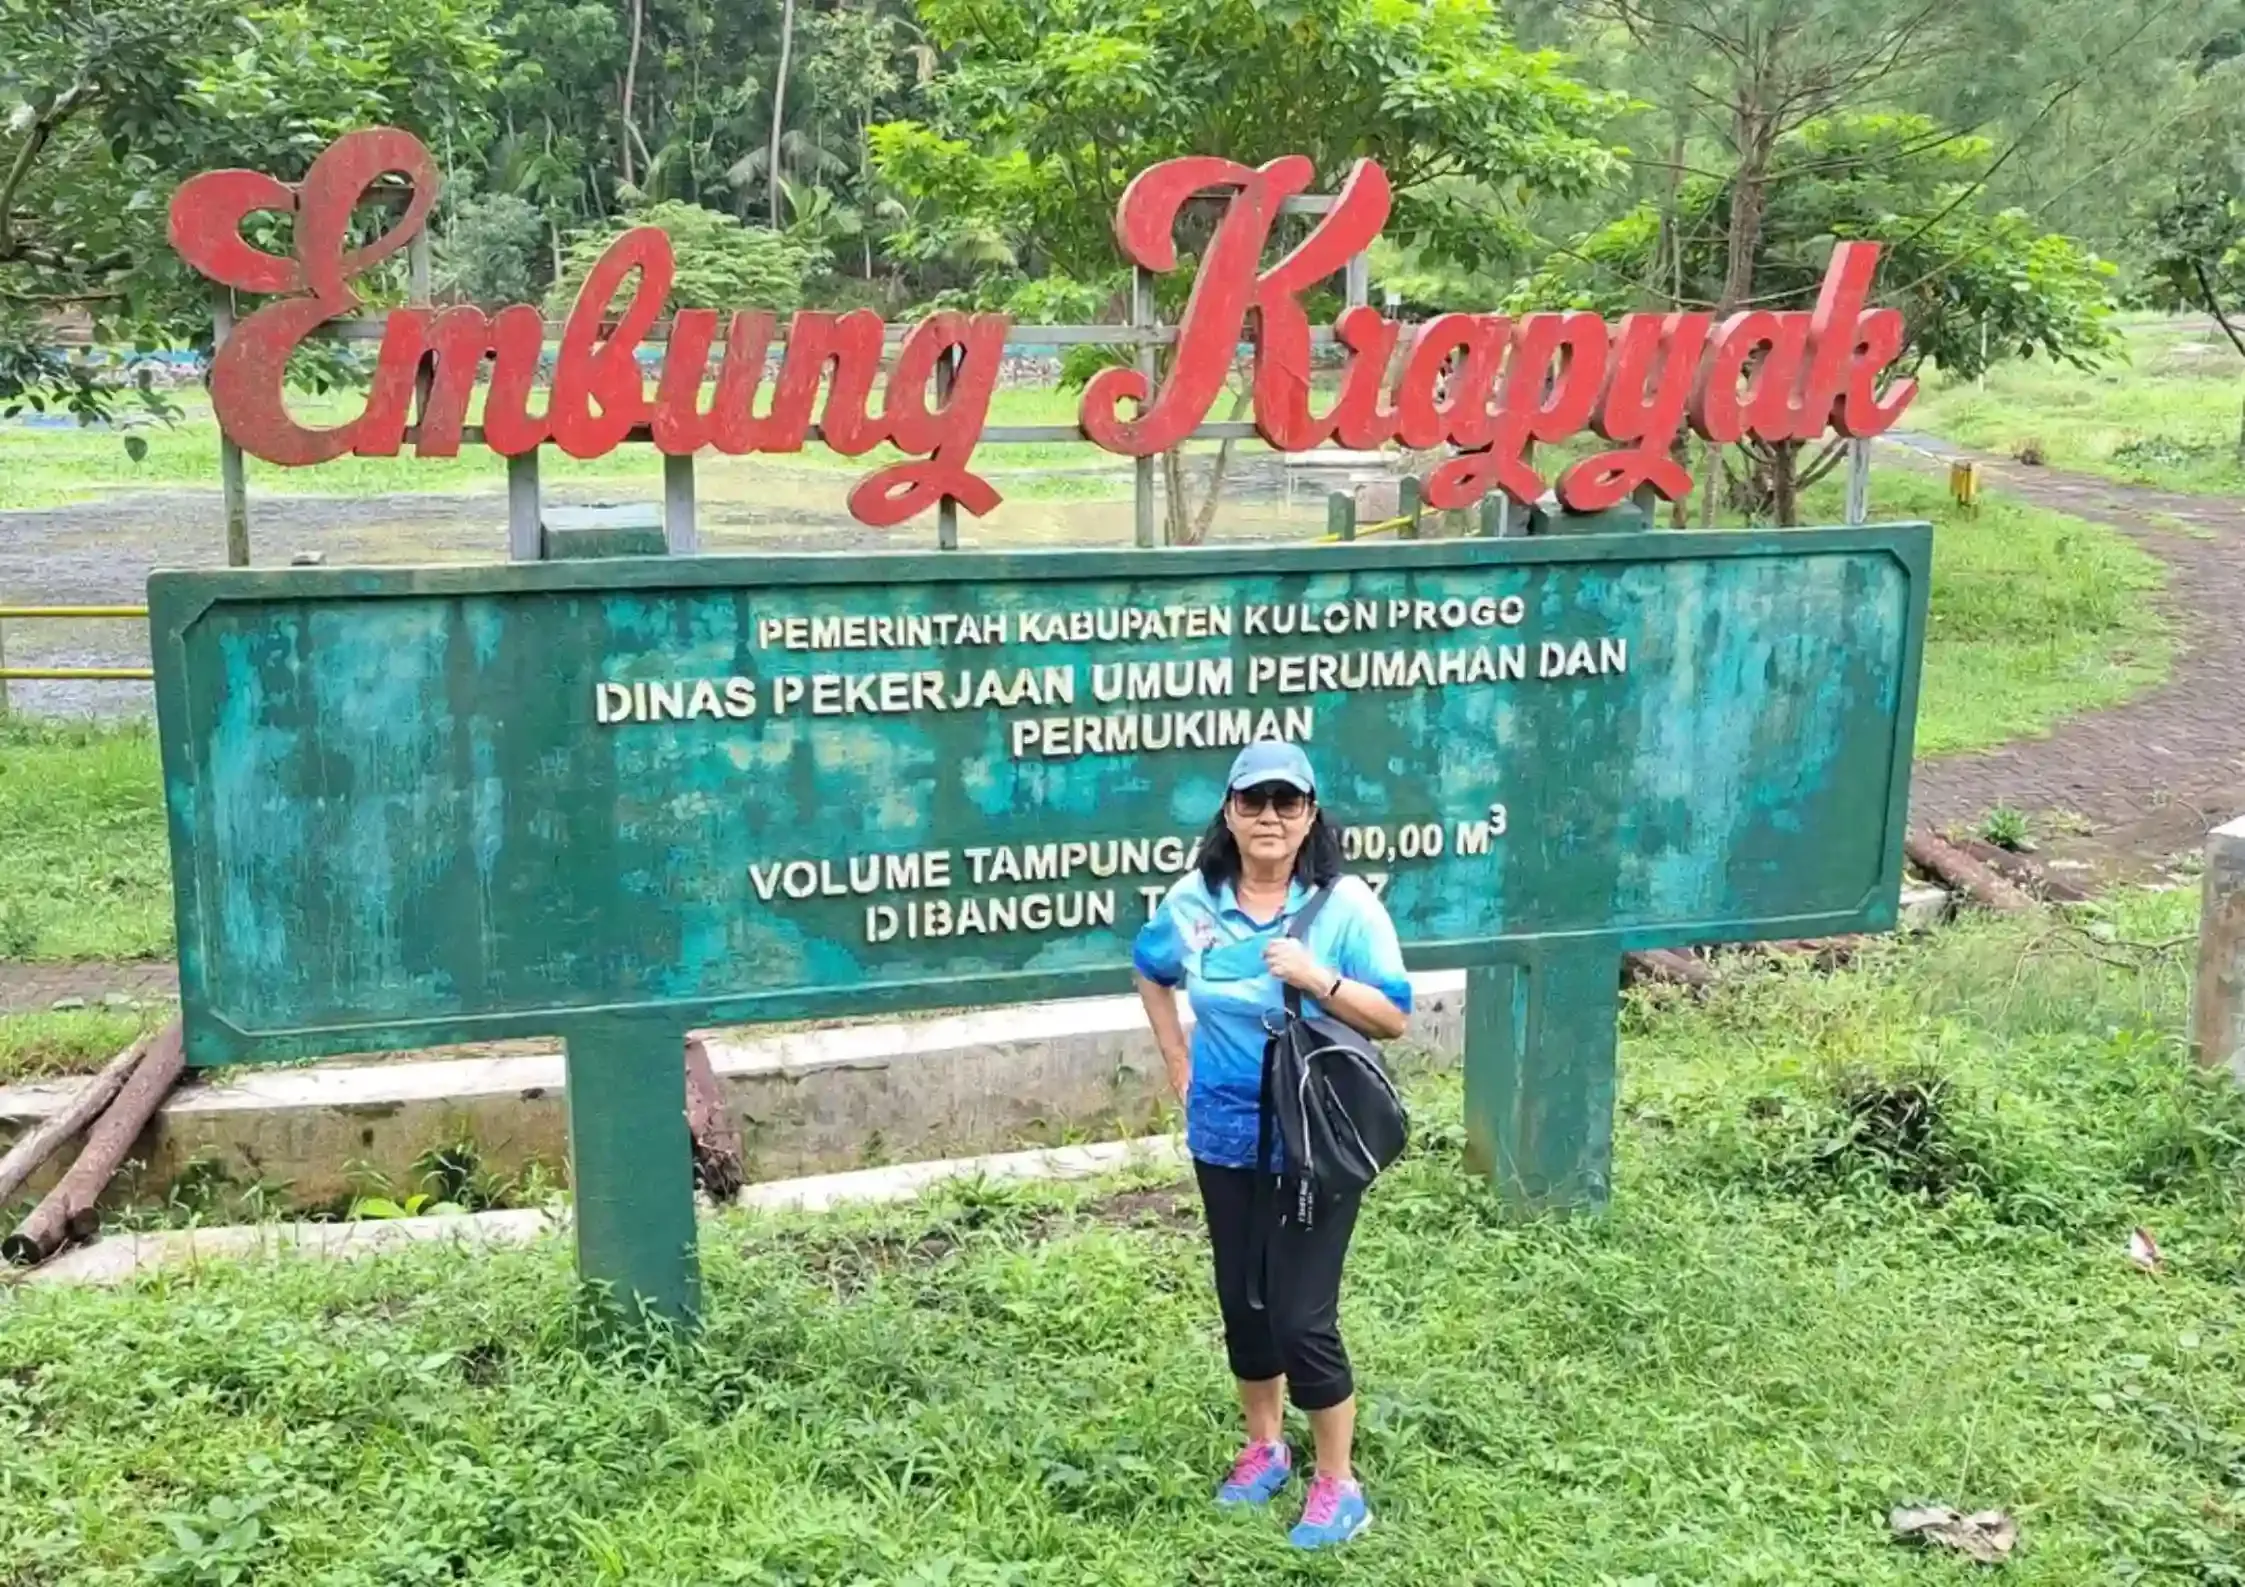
(1540, 1078)
(2218, 1011)
(631, 1163)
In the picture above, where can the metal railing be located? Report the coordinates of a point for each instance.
(8, 674)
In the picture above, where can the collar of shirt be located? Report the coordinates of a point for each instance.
(1227, 903)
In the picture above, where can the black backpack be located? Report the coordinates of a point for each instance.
(1326, 1099)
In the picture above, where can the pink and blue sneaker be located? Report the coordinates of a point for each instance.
(1258, 1474)
(1336, 1512)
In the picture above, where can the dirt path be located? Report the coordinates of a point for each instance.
(2144, 780)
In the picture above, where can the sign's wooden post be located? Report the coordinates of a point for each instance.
(1540, 1077)
(631, 1157)
(631, 1165)
(1541, 1043)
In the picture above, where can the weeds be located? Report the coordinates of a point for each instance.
(2006, 828)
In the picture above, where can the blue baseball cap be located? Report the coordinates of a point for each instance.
(1268, 760)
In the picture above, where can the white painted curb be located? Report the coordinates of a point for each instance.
(122, 1257)
(254, 1088)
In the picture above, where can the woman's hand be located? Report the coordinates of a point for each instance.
(1291, 962)
(1363, 1008)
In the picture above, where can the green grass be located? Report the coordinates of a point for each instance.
(88, 868)
(1775, 1335)
(2163, 412)
(2035, 616)
(75, 1042)
(52, 467)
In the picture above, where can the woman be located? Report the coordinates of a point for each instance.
(1221, 934)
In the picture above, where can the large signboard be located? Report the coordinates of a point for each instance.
(428, 805)
(1490, 387)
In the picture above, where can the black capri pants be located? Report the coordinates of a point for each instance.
(1297, 1333)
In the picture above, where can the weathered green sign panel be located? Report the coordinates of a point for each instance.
(459, 802)
(431, 805)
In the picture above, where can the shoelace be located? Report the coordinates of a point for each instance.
(1253, 1461)
(1325, 1500)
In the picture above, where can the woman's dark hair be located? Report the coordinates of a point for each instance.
(1316, 864)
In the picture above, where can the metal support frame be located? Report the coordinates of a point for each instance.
(947, 510)
(681, 534)
(525, 512)
(1142, 473)
(233, 480)
(1858, 482)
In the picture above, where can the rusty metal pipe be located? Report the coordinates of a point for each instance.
(41, 1143)
(68, 1212)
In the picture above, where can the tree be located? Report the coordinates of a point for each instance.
(722, 264)
(106, 105)
(2194, 233)
(1972, 283)
(491, 253)
(779, 108)
(1051, 106)
(852, 70)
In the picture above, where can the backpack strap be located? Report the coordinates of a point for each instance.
(1264, 1202)
(1299, 929)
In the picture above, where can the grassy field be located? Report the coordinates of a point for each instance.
(2163, 412)
(2035, 617)
(78, 1041)
(50, 466)
(1867, 1247)
(88, 871)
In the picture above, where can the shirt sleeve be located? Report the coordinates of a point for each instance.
(1366, 950)
(1159, 952)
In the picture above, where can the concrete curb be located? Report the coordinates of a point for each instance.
(809, 1102)
(120, 1258)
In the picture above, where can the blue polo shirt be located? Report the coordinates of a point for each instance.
(1211, 947)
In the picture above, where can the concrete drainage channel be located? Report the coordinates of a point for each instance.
(836, 1101)
(119, 1257)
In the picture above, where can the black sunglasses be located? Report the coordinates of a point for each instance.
(1284, 798)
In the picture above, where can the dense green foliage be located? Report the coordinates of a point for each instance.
(107, 105)
(1050, 106)
(722, 264)
(1868, 1246)
(903, 153)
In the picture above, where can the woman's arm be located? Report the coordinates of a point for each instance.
(1363, 1008)
(1169, 1032)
